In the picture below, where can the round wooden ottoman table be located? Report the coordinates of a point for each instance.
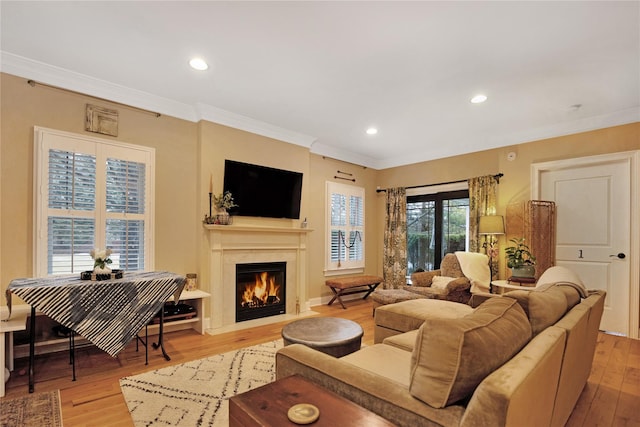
(331, 335)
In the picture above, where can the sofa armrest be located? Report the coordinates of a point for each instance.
(523, 390)
(424, 278)
(378, 394)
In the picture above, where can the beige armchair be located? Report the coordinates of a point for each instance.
(446, 283)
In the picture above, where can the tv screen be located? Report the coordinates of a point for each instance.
(262, 191)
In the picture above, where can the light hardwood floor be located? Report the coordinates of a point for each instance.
(611, 397)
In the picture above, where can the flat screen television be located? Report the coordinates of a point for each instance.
(262, 191)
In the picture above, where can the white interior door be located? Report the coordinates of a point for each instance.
(594, 203)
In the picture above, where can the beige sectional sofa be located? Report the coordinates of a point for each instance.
(521, 359)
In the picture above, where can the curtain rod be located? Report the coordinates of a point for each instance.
(497, 177)
(33, 83)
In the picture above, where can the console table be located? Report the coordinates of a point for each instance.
(109, 313)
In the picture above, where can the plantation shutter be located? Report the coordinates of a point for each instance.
(91, 193)
(125, 212)
(346, 227)
(71, 219)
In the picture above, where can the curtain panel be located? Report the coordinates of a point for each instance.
(395, 239)
(482, 201)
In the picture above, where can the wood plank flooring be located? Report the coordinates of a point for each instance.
(611, 397)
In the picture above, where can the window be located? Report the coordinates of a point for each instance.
(345, 228)
(437, 224)
(91, 193)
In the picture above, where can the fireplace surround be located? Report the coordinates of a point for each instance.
(230, 245)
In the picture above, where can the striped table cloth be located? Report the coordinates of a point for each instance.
(109, 313)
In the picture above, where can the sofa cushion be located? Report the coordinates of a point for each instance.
(543, 307)
(408, 315)
(395, 366)
(405, 341)
(452, 356)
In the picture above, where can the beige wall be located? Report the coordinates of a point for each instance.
(188, 154)
(175, 141)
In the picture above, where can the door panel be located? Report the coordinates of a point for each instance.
(593, 222)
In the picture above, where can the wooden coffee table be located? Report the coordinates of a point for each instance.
(268, 406)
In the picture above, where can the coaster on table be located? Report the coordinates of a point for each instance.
(303, 413)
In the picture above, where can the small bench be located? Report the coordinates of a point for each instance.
(345, 286)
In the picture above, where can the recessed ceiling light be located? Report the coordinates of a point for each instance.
(478, 99)
(198, 64)
(372, 131)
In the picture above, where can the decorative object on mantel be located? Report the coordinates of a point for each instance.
(101, 120)
(520, 259)
(222, 202)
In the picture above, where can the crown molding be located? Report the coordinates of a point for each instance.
(65, 79)
(70, 80)
(237, 121)
(586, 124)
(344, 155)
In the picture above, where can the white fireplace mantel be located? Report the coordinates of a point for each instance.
(233, 244)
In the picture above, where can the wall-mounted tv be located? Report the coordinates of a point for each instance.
(262, 191)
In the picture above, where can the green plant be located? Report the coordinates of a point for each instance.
(224, 201)
(519, 255)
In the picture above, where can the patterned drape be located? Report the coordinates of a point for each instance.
(395, 239)
(482, 201)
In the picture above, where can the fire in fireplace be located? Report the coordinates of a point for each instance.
(260, 290)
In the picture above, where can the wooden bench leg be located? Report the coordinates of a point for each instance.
(371, 289)
(336, 296)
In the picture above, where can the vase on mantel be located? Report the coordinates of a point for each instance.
(223, 217)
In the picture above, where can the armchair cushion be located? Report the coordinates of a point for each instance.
(431, 284)
(452, 356)
(441, 282)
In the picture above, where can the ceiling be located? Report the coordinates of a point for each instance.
(318, 74)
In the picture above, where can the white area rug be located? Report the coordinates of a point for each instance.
(195, 393)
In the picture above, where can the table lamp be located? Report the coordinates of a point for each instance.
(490, 226)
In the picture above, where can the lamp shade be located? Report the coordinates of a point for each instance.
(491, 224)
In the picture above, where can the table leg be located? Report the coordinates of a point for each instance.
(161, 336)
(32, 347)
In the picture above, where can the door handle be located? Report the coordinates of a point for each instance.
(620, 255)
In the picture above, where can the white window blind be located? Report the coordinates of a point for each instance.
(91, 193)
(345, 228)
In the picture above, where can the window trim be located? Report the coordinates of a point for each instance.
(43, 138)
(330, 268)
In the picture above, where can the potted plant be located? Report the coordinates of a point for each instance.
(520, 259)
(222, 202)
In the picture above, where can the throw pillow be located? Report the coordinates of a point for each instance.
(543, 307)
(441, 282)
(452, 356)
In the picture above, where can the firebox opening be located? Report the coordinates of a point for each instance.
(260, 290)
